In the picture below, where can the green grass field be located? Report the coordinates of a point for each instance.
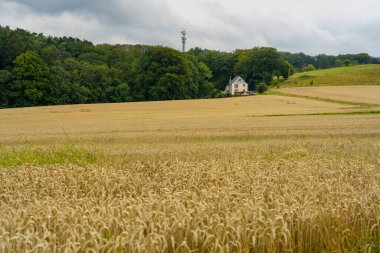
(352, 75)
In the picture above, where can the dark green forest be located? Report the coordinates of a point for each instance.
(45, 70)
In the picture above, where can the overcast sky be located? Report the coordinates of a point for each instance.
(310, 26)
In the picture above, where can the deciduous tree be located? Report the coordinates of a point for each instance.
(31, 77)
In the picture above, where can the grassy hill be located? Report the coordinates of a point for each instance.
(352, 75)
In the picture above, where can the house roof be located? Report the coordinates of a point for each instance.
(238, 79)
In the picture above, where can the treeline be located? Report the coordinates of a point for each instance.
(44, 70)
(259, 65)
(40, 70)
(302, 62)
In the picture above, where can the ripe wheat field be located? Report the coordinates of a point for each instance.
(257, 174)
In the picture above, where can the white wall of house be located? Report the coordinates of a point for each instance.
(237, 85)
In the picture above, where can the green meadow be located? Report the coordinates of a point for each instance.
(351, 75)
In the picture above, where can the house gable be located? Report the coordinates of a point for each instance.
(237, 86)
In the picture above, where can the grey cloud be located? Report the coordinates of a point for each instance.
(325, 26)
(112, 12)
(56, 6)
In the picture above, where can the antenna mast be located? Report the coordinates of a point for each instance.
(183, 40)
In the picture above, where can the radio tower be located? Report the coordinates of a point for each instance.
(183, 40)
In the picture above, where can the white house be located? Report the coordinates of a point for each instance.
(237, 86)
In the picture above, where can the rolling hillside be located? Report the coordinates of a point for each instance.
(352, 75)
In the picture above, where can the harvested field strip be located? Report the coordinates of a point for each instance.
(355, 105)
(325, 114)
(355, 95)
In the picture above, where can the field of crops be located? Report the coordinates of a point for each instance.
(206, 117)
(352, 75)
(358, 94)
(256, 174)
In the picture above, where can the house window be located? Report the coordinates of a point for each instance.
(243, 84)
(236, 90)
(236, 86)
(239, 79)
(243, 90)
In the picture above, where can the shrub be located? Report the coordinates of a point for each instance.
(261, 88)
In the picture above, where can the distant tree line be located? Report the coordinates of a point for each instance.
(302, 62)
(259, 65)
(44, 70)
